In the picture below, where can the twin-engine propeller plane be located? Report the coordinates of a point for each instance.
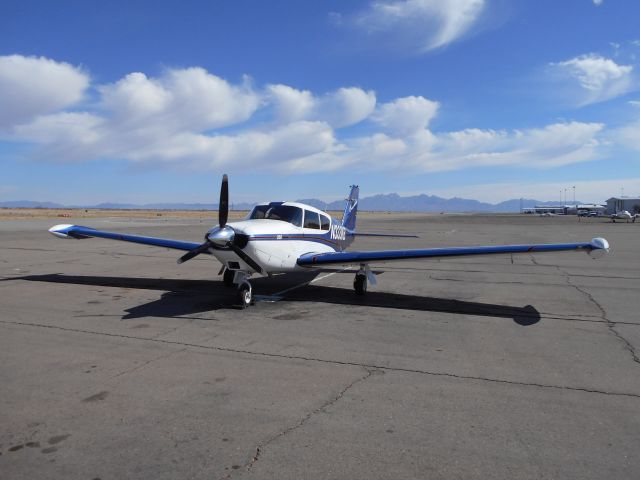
(281, 237)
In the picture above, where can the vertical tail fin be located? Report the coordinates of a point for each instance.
(351, 209)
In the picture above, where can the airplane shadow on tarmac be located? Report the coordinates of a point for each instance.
(190, 297)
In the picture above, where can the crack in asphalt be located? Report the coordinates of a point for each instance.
(493, 282)
(506, 272)
(328, 361)
(102, 252)
(172, 330)
(550, 315)
(499, 282)
(261, 447)
(144, 364)
(611, 325)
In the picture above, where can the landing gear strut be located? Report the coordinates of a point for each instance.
(227, 277)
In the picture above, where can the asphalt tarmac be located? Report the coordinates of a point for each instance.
(117, 363)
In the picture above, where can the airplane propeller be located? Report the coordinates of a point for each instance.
(222, 236)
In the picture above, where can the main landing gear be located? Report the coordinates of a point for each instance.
(363, 276)
(360, 284)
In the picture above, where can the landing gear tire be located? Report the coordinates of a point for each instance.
(360, 284)
(244, 293)
(227, 277)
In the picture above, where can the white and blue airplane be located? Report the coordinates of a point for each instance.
(624, 215)
(281, 237)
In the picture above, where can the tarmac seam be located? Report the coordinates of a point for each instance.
(507, 272)
(261, 447)
(497, 282)
(330, 362)
(144, 364)
(611, 325)
(110, 254)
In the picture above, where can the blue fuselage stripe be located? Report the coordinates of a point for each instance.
(338, 245)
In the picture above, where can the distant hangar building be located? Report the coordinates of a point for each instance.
(618, 204)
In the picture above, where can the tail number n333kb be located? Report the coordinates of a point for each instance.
(338, 232)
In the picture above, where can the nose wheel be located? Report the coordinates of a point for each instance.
(245, 295)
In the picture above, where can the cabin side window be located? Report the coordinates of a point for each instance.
(326, 223)
(311, 220)
(258, 212)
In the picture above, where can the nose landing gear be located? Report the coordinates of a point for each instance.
(241, 279)
(245, 293)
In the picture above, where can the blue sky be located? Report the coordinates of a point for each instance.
(152, 101)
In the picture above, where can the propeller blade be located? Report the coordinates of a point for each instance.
(223, 207)
(247, 259)
(196, 251)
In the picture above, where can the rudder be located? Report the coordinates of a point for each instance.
(351, 209)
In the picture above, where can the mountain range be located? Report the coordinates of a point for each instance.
(384, 202)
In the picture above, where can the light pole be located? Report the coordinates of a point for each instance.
(574, 194)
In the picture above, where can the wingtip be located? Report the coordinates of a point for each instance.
(599, 247)
(61, 230)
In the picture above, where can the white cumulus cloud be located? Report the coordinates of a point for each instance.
(291, 104)
(190, 119)
(343, 107)
(600, 78)
(406, 115)
(180, 99)
(422, 24)
(268, 149)
(31, 86)
(346, 106)
(424, 151)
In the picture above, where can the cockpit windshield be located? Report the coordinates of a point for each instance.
(286, 213)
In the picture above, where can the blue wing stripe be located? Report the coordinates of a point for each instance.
(77, 231)
(312, 259)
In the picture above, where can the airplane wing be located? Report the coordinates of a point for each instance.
(78, 232)
(383, 256)
(395, 235)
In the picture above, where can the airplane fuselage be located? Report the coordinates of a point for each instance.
(276, 245)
